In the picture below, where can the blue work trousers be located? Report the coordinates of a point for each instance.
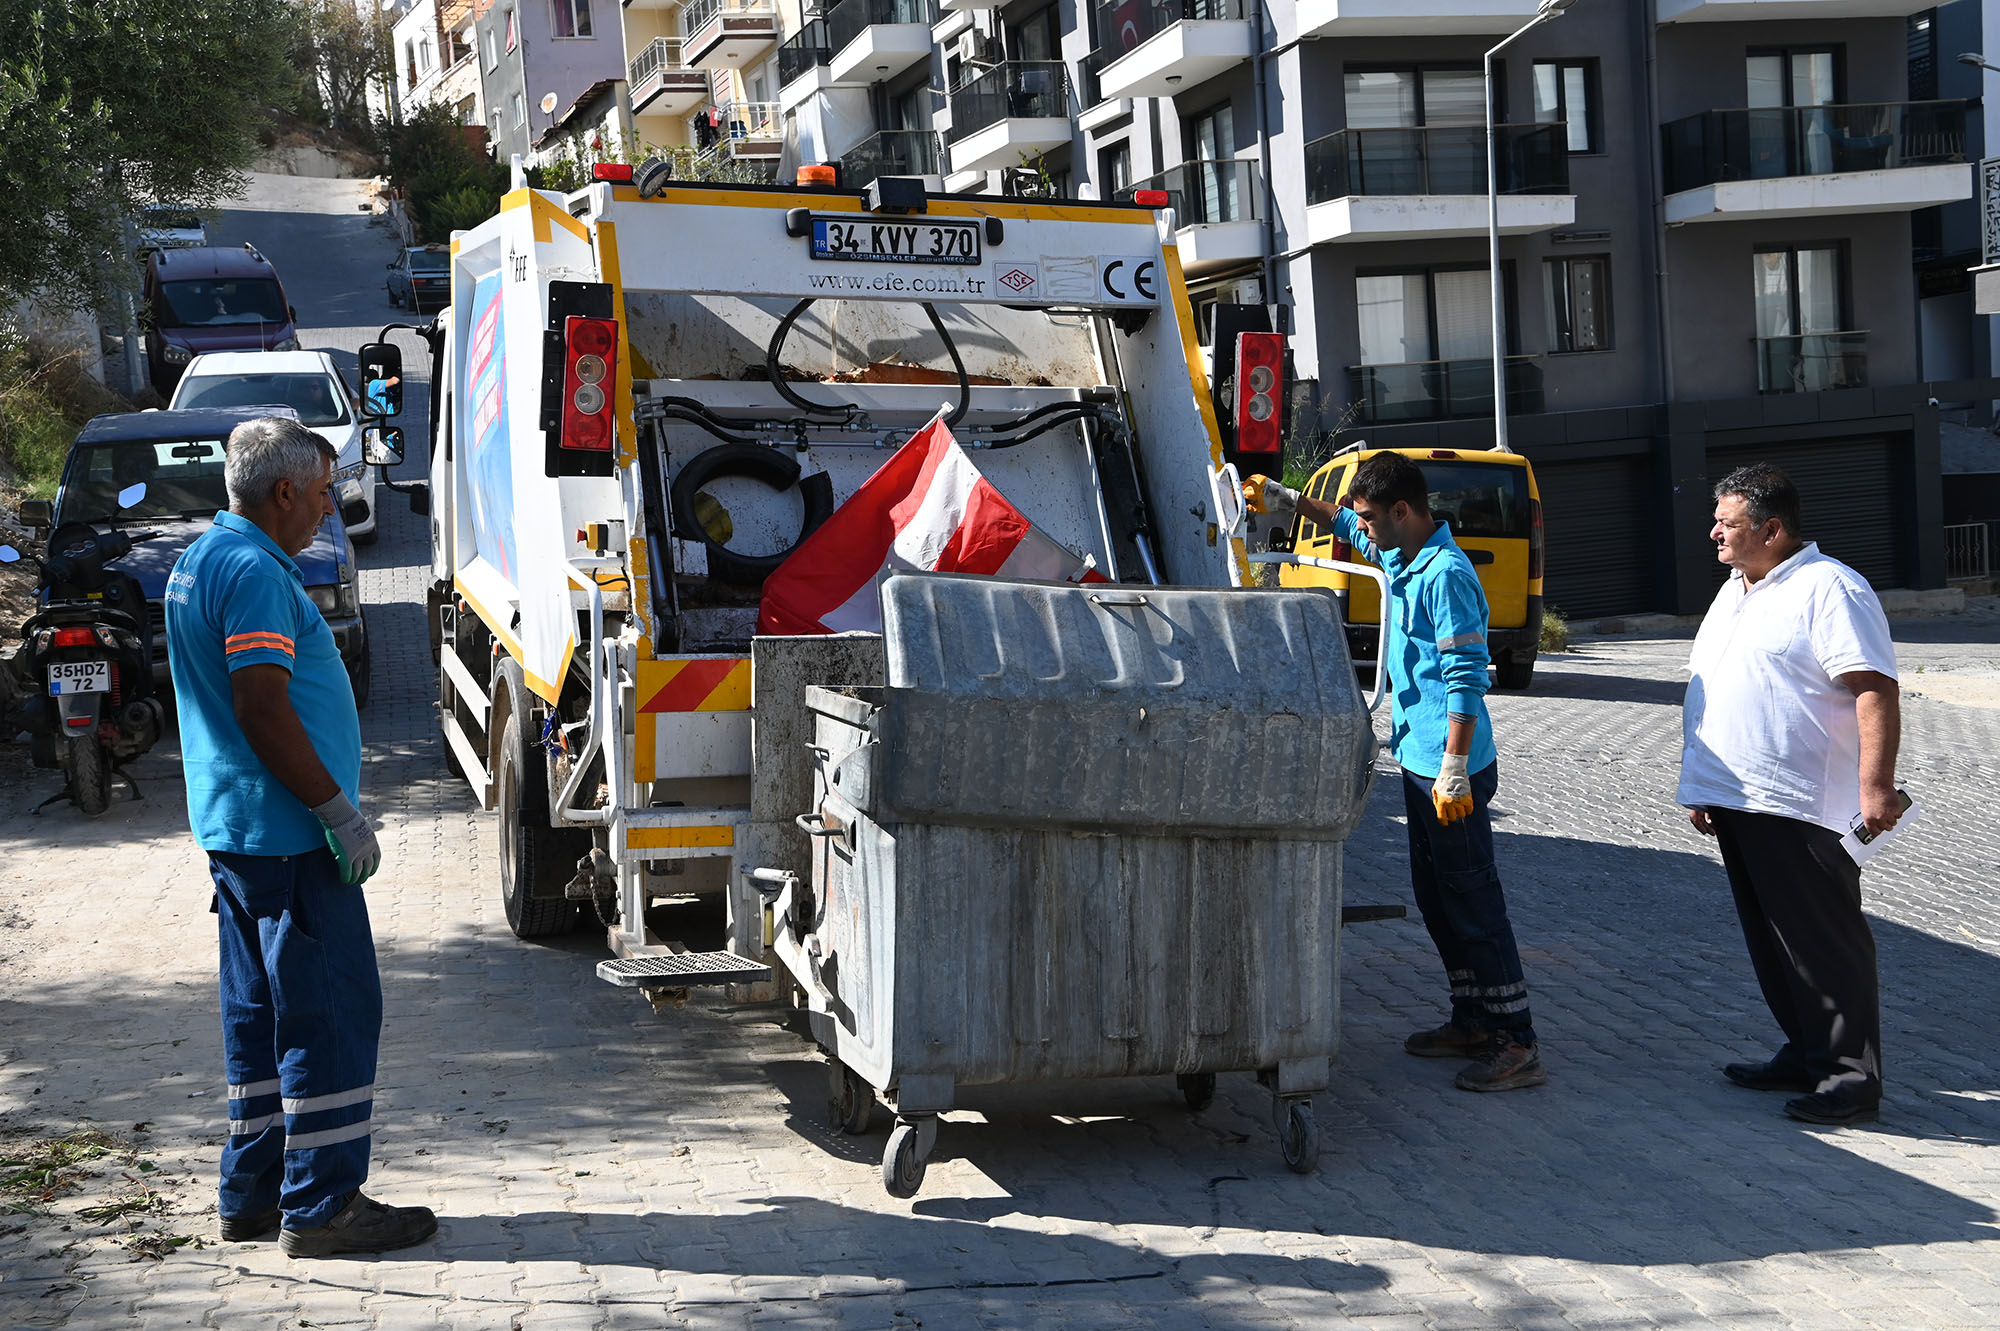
(1458, 892)
(301, 1019)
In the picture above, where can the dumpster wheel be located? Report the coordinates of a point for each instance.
(1197, 1088)
(1298, 1134)
(851, 1101)
(903, 1158)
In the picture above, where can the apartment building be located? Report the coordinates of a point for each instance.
(433, 44)
(541, 64)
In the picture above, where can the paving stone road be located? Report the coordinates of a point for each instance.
(600, 1165)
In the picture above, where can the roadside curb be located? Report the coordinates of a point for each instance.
(1897, 603)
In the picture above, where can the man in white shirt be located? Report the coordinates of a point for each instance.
(1789, 736)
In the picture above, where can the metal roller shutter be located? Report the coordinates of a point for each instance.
(1848, 492)
(1598, 524)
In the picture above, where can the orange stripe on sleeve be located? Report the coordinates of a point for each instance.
(250, 642)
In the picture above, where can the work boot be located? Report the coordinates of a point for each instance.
(1504, 1065)
(1447, 1041)
(243, 1228)
(364, 1225)
(1820, 1107)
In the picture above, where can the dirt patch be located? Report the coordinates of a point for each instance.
(87, 1190)
(1964, 690)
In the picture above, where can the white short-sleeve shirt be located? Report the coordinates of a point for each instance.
(1768, 727)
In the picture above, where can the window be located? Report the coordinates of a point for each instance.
(492, 50)
(513, 36)
(1801, 304)
(1213, 194)
(1431, 314)
(1114, 170)
(1405, 98)
(520, 109)
(1037, 37)
(1566, 94)
(1579, 292)
(572, 18)
(1418, 131)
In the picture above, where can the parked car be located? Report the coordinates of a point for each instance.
(178, 454)
(210, 299)
(167, 227)
(1495, 511)
(420, 277)
(310, 384)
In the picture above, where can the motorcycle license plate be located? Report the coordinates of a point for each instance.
(79, 677)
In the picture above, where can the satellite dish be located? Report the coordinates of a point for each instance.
(548, 103)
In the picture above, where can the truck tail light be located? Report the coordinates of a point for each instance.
(1534, 538)
(618, 173)
(590, 357)
(1260, 391)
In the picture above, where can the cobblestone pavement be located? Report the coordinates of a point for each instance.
(598, 1165)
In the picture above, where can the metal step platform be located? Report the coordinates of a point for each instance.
(680, 970)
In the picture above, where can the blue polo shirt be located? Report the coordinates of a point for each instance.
(1434, 642)
(233, 600)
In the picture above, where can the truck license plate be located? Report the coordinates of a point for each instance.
(79, 677)
(895, 242)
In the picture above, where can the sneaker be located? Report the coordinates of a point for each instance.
(364, 1225)
(1504, 1065)
(1768, 1077)
(243, 1228)
(1446, 1041)
(1819, 1107)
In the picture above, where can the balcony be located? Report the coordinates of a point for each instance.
(1429, 182)
(1784, 11)
(1412, 18)
(1812, 362)
(1809, 161)
(874, 40)
(728, 34)
(751, 132)
(1159, 48)
(893, 152)
(803, 64)
(1007, 112)
(1217, 210)
(1436, 390)
(661, 84)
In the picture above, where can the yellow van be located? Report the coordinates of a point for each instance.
(1495, 513)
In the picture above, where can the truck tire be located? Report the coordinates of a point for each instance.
(535, 858)
(1515, 670)
(88, 774)
(361, 676)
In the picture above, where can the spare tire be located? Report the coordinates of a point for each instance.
(758, 462)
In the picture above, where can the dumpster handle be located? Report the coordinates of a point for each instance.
(1344, 566)
(1095, 599)
(815, 824)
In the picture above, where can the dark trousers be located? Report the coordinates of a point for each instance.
(1458, 893)
(1799, 898)
(301, 1018)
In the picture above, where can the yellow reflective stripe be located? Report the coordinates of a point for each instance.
(544, 214)
(678, 838)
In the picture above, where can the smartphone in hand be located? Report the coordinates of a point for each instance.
(1864, 834)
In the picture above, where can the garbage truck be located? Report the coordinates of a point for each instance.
(649, 395)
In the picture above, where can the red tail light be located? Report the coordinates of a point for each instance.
(75, 638)
(618, 172)
(1260, 392)
(1534, 538)
(590, 362)
(1342, 550)
(1151, 198)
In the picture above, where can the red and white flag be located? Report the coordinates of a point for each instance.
(928, 508)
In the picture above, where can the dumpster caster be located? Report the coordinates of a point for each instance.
(852, 1101)
(1197, 1088)
(903, 1160)
(1298, 1134)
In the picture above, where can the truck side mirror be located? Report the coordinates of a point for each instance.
(382, 445)
(382, 379)
(37, 513)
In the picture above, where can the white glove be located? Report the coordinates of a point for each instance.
(1273, 498)
(1451, 793)
(350, 838)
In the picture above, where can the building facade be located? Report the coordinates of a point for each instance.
(434, 44)
(538, 60)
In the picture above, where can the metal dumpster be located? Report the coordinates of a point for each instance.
(1081, 833)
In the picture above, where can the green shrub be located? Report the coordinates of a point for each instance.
(45, 397)
(1555, 630)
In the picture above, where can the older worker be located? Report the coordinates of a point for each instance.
(1789, 735)
(271, 743)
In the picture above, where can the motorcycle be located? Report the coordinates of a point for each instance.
(87, 661)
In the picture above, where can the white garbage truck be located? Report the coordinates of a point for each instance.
(647, 395)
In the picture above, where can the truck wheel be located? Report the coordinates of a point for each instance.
(88, 774)
(535, 858)
(360, 676)
(1516, 670)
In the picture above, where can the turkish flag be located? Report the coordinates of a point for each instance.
(928, 509)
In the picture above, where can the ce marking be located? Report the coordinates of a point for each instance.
(1140, 279)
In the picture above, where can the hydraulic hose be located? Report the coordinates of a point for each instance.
(785, 390)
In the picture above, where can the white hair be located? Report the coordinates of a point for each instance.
(270, 449)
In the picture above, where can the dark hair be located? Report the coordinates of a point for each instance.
(1390, 478)
(1767, 492)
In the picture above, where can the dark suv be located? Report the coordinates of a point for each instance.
(210, 299)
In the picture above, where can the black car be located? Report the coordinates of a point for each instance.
(420, 278)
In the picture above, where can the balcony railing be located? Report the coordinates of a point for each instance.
(1437, 159)
(701, 12)
(803, 51)
(752, 120)
(1201, 192)
(845, 21)
(893, 152)
(1812, 362)
(1430, 390)
(1016, 89)
(657, 56)
(1123, 26)
(1763, 143)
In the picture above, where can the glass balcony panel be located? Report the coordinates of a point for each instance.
(1437, 159)
(893, 152)
(1812, 362)
(845, 21)
(1441, 389)
(1764, 143)
(803, 51)
(1206, 192)
(1016, 89)
(1123, 26)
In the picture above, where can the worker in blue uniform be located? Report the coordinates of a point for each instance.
(1434, 647)
(271, 744)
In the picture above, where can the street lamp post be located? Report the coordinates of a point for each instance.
(1548, 10)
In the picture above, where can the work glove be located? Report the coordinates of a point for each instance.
(1451, 793)
(1264, 495)
(350, 838)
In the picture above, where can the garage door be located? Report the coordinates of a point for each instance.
(1598, 526)
(1851, 492)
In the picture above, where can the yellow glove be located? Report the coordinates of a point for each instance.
(1261, 494)
(1451, 793)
